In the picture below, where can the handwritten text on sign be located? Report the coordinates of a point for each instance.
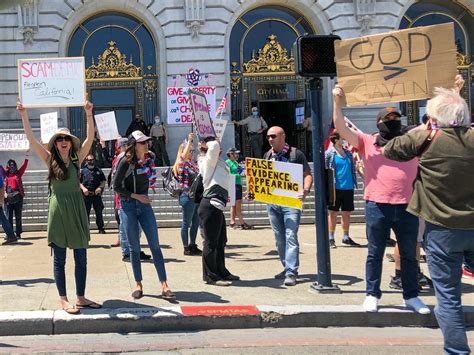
(397, 66)
(107, 126)
(14, 141)
(200, 111)
(179, 110)
(49, 125)
(51, 82)
(274, 182)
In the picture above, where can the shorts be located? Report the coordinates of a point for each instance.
(344, 201)
(238, 192)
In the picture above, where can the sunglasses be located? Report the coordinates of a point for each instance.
(89, 161)
(63, 138)
(145, 142)
(272, 136)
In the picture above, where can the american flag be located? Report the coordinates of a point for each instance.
(223, 104)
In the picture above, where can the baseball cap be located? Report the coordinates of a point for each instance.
(232, 150)
(386, 111)
(138, 137)
(122, 142)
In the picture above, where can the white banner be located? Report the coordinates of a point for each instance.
(107, 126)
(14, 141)
(49, 125)
(179, 110)
(231, 190)
(52, 82)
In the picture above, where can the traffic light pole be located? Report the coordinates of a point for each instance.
(324, 283)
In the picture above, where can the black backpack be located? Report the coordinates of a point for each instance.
(170, 183)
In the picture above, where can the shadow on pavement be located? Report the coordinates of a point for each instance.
(269, 283)
(26, 282)
(345, 280)
(196, 297)
(114, 304)
(240, 246)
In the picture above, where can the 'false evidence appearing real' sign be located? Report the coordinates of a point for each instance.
(52, 82)
(397, 66)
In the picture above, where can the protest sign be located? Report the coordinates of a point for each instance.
(179, 110)
(274, 182)
(201, 118)
(231, 190)
(14, 141)
(219, 127)
(397, 66)
(52, 82)
(49, 125)
(107, 126)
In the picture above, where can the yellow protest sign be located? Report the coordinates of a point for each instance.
(274, 182)
(397, 66)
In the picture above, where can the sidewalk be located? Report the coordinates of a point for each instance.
(27, 284)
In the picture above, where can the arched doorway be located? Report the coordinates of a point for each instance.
(120, 56)
(262, 72)
(434, 12)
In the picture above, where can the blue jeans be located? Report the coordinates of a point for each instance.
(16, 208)
(380, 218)
(123, 235)
(137, 214)
(285, 222)
(7, 227)
(445, 250)
(190, 220)
(80, 270)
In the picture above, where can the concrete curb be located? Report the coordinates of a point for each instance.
(124, 320)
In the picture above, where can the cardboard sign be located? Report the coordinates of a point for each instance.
(179, 110)
(397, 66)
(201, 118)
(14, 141)
(274, 182)
(232, 192)
(219, 127)
(52, 82)
(49, 125)
(107, 126)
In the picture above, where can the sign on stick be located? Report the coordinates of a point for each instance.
(107, 126)
(49, 125)
(200, 110)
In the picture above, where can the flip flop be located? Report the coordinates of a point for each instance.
(137, 294)
(72, 310)
(168, 295)
(91, 305)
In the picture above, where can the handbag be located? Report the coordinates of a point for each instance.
(13, 197)
(196, 189)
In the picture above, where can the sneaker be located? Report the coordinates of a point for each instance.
(467, 273)
(332, 244)
(424, 281)
(231, 277)
(390, 257)
(348, 241)
(126, 258)
(222, 283)
(391, 242)
(290, 280)
(371, 304)
(101, 231)
(18, 236)
(280, 276)
(144, 256)
(417, 305)
(10, 241)
(195, 250)
(395, 283)
(187, 251)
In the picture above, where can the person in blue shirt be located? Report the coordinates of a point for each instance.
(341, 166)
(7, 228)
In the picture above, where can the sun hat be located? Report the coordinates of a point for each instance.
(76, 143)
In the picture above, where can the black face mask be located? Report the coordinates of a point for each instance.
(388, 130)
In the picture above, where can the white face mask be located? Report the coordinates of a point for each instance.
(255, 113)
(157, 120)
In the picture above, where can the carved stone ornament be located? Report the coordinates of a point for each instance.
(271, 59)
(113, 65)
(28, 20)
(365, 14)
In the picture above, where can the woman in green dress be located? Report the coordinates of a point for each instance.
(68, 225)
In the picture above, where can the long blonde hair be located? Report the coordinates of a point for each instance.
(178, 159)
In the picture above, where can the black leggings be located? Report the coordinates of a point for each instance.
(215, 238)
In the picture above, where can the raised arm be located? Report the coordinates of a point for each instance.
(338, 118)
(189, 144)
(39, 149)
(86, 146)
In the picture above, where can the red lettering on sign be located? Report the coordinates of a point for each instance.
(175, 91)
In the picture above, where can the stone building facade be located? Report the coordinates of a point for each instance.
(233, 43)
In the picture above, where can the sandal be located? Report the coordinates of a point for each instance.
(168, 295)
(232, 225)
(91, 305)
(137, 294)
(246, 226)
(72, 310)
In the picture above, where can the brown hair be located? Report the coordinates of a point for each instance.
(334, 136)
(57, 169)
(131, 154)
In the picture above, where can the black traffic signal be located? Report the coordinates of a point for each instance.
(314, 55)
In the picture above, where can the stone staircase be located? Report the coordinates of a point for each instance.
(167, 210)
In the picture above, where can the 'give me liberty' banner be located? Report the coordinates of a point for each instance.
(52, 82)
(274, 182)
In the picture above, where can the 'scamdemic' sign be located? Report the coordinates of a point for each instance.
(274, 182)
(52, 82)
(398, 66)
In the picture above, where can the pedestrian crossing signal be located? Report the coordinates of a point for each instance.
(315, 56)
